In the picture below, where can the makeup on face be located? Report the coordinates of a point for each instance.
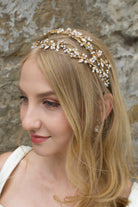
(41, 113)
(37, 139)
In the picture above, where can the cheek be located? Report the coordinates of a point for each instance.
(65, 126)
(60, 125)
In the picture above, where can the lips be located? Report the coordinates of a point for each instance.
(38, 139)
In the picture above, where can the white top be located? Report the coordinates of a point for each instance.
(15, 158)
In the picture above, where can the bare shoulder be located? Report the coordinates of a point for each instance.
(3, 158)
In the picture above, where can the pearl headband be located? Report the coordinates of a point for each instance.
(96, 62)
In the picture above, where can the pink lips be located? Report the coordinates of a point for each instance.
(38, 139)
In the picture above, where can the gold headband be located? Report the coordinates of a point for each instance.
(96, 62)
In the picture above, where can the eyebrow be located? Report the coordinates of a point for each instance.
(40, 95)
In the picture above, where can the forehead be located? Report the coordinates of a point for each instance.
(30, 69)
(32, 76)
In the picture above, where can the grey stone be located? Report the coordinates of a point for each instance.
(21, 22)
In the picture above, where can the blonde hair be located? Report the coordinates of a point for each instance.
(98, 163)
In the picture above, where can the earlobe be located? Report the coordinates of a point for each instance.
(108, 99)
(108, 106)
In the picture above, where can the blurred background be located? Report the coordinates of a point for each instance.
(23, 21)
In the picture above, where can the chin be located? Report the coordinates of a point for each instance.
(45, 151)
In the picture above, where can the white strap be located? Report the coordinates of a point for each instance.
(133, 196)
(10, 164)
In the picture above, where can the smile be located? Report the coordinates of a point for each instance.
(38, 139)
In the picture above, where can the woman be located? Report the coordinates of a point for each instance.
(74, 113)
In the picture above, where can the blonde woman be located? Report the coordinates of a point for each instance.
(73, 111)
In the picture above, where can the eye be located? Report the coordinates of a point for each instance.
(24, 99)
(51, 104)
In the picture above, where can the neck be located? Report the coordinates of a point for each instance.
(52, 166)
(49, 172)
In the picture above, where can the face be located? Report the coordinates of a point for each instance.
(41, 113)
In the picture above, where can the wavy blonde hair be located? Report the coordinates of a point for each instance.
(98, 163)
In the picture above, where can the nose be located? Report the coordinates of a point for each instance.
(30, 119)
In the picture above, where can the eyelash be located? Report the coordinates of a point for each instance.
(49, 104)
(23, 98)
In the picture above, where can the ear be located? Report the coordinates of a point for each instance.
(108, 99)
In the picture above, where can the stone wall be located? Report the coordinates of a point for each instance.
(21, 22)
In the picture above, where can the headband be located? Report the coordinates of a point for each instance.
(97, 62)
